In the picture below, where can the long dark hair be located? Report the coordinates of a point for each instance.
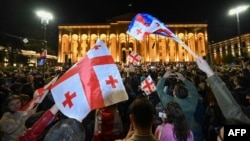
(176, 117)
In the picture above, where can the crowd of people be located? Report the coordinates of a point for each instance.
(192, 102)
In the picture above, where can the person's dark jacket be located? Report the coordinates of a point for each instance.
(231, 110)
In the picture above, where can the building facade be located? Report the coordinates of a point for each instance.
(75, 40)
(8, 57)
(229, 47)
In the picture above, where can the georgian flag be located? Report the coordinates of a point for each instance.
(148, 85)
(139, 27)
(144, 24)
(93, 82)
(39, 96)
(134, 58)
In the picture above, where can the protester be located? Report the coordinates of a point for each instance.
(124, 105)
(232, 111)
(241, 90)
(184, 93)
(175, 126)
(67, 129)
(12, 123)
(34, 132)
(142, 117)
(38, 80)
(108, 124)
(28, 87)
(213, 117)
(229, 107)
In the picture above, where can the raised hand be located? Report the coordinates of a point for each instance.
(203, 65)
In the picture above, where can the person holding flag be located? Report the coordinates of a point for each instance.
(186, 95)
(36, 130)
(235, 113)
(12, 123)
(96, 89)
(232, 111)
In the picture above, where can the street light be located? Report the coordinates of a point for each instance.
(45, 17)
(236, 11)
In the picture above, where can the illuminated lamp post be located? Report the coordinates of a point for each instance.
(45, 17)
(236, 11)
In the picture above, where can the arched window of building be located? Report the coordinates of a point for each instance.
(131, 46)
(124, 56)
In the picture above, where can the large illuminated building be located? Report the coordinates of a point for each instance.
(76, 40)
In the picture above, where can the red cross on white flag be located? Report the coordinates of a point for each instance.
(93, 82)
(134, 58)
(139, 27)
(148, 85)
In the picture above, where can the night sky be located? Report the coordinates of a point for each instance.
(18, 17)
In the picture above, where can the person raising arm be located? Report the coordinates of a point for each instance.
(228, 105)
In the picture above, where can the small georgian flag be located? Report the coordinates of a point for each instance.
(148, 85)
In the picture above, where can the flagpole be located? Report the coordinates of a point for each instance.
(185, 46)
(189, 50)
(45, 17)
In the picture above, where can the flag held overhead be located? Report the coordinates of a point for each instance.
(144, 24)
(134, 58)
(148, 85)
(93, 82)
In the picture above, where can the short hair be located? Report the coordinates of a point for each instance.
(68, 129)
(181, 91)
(143, 111)
(9, 99)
